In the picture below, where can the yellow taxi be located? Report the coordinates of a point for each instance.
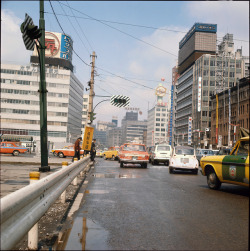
(233, 168)
(99, 153)
(111, 153)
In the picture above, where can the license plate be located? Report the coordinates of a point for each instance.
(185, 160)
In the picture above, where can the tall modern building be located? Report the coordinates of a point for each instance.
(200, 39)
(202, 74)
(20, 106)
(114, 137)
(157, 126)
(132, 128)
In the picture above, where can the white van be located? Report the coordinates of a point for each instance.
(161, 154)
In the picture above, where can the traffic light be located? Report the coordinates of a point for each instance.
(30, 32)
(120, 100)
(92, 116)
(33, 32)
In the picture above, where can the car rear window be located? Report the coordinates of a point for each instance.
(163, 148)
(140, 148)
(182, 151)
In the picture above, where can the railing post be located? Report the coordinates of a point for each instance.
(81, 173)
(75, 179)
(33, 233)
(63, 195)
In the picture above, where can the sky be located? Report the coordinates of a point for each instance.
(136, 42)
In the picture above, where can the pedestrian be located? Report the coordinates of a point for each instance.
(93, 150)
(77, 148)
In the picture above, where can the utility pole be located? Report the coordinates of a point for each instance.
(91, 85)
(43, 95)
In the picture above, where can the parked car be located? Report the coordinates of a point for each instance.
(202, 153)
(111, 153)
(14, 148)
(99, 153)
(233, 168)
(225, 151)
(216, 152)
(66, 151)
(161, 154)
(133, 153)
(183, 158)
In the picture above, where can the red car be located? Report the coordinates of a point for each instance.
(67, 151)
(133, 153)
(14, 148)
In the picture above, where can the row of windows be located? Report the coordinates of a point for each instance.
(24, 92)
(34, 73)
(33, 132)
(32, 112)
(36, 122)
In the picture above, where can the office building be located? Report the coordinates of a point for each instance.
(20, 106)
(199, 40)
(233, 113)
(133, 130)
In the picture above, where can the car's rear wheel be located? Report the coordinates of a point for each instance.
(61, 155)
(15, 153)
(121, 164)
(212, 180)
(144, 165)
(113, 157)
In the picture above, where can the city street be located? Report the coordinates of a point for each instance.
(134, 208)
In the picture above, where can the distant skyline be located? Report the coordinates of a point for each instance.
(133, 40)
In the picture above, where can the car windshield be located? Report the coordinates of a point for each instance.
(163, 148)
(182, 151)
(140, 148)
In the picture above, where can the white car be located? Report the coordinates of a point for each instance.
(161, 154)
(183, 158)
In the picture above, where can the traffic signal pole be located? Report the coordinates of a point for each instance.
(91, 84)
(43, 95)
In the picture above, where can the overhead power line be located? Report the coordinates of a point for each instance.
(123, 32)
(137, 25)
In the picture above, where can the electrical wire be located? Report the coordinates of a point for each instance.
(81, 28)
(140, 26)
(124, 32)
(65, 33)
(75, 29)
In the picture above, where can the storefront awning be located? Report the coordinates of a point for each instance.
(11, 137)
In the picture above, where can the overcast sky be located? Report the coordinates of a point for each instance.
(135, 40)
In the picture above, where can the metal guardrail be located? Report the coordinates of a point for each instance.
(22, 209)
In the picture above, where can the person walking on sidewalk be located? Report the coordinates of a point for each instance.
(93, 150)
(77, 148)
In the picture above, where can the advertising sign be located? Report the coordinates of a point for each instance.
(189, 130)
(171, 115)
(57, 45)
(87, 140)
(199, 95)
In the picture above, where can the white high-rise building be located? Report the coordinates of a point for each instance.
(85, 109)
(20, 106)
(157, 126)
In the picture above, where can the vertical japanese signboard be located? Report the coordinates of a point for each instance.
(171, 115)
(189, 130)
(199, 95)
(87, 140)
(229, 117)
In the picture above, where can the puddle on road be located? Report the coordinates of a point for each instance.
(115, 176)
(84, 235)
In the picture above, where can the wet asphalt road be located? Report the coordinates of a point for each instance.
(149, 209)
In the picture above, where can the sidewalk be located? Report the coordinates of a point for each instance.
(31, 160)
